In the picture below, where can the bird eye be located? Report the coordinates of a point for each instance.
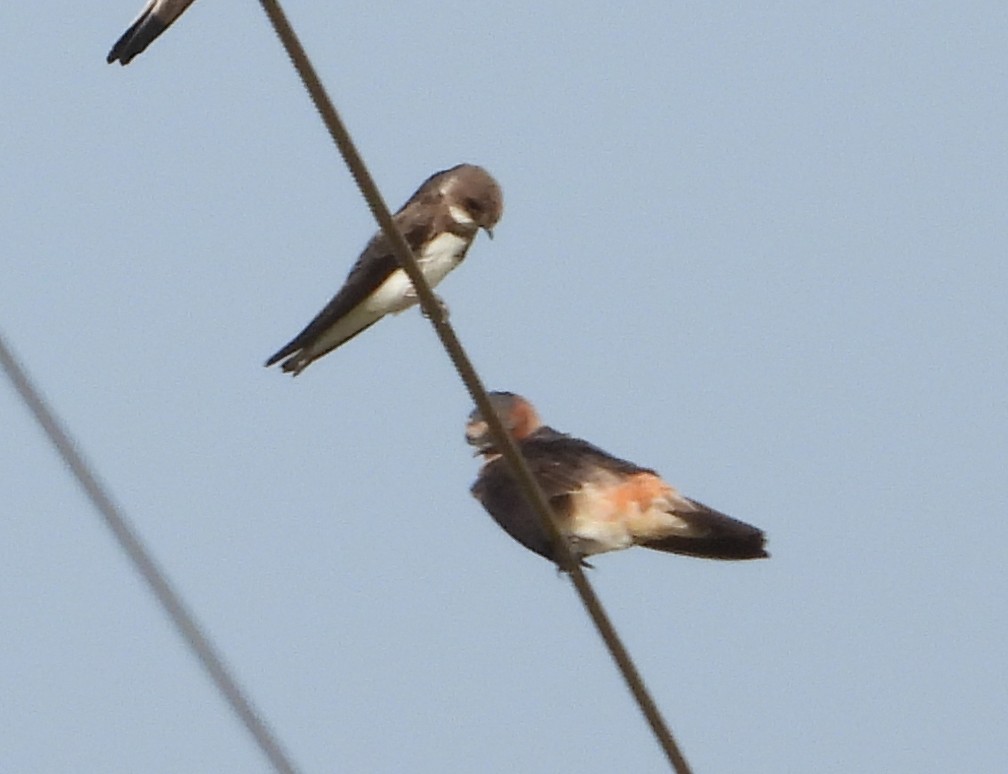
(474, 206)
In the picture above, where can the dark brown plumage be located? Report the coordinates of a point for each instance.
(439, 222)
(602, 503)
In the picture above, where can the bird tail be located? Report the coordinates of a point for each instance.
(713, 535)
(301, 351)
(289, 349)
(141, 34)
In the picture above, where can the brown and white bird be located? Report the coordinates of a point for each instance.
(154, 19)
(602, 503)
(440, 222)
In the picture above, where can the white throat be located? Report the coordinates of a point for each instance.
(460, 216)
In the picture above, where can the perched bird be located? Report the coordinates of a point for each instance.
(154, 19)
(601, 503)
(439, 223)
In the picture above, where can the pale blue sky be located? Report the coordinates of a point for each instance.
(762, 251)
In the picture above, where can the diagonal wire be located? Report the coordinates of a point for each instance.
(142, 560)
(503, 441)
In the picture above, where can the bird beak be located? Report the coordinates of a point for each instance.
(489, 232)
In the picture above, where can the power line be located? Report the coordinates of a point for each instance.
(434, 312)
(134, 548)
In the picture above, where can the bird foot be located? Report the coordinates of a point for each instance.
(442, 310)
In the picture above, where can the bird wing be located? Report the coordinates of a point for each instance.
(370, 270)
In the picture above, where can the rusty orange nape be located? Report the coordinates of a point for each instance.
(524, 419)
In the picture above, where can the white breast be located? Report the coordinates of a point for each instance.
(441, 255)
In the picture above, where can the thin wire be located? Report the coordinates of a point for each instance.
(130, 542)
(502, 440)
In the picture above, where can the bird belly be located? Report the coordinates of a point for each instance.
(595, 525)
(441, 255)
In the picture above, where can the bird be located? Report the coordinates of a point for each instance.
(155, 18)
(439, 222)
(601, 503)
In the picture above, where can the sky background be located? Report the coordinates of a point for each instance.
(761, 250)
